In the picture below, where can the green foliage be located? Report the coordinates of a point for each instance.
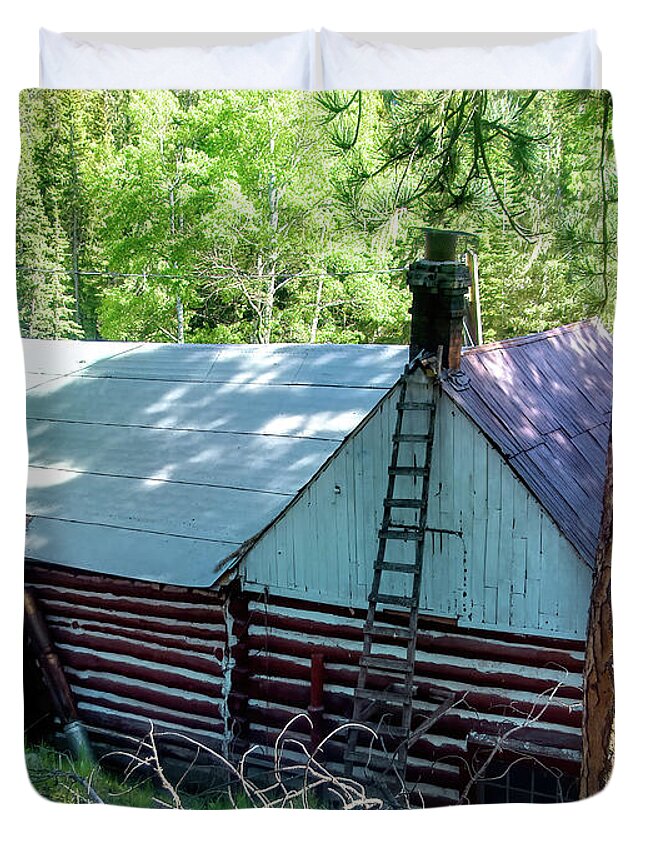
(263, 216)
(45, 300)
(145, 313)
(531, 172)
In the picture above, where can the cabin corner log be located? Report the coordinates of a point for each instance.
(238, 693)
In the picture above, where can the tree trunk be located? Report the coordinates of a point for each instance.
(606, 244)
(74, 224)
(75, 252)
(317, 310)
(267, 312)
(271, 287)
(178, 300)
(180, 320)
(598, 714)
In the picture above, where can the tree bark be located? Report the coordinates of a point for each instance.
(598, 713)
(606, 117)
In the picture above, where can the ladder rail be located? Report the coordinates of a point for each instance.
(400, 696)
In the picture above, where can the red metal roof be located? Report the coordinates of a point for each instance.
(544, 400)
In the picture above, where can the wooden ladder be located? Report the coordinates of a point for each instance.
(385, 684)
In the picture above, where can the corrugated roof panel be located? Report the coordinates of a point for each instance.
(159, 445)
(594, 451)
(516, 398)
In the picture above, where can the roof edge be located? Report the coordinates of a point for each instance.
(523, 340)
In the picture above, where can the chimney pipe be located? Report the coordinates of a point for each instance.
(439, 283)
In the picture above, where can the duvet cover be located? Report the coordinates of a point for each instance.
(319, 413)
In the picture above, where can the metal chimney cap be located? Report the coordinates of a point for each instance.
(441, 243)
(428, 230)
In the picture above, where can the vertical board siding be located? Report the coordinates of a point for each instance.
(495, 560)
(137, 654)
(332, 555)
(529, 685)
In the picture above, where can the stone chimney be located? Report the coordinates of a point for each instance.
(439, 283)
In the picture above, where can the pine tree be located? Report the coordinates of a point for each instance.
(44, 299)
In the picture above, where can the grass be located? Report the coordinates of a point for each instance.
(289, 779)
(58, 777)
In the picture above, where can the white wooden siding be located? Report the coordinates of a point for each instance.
(494, 558)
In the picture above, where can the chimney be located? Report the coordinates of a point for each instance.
(439, 283)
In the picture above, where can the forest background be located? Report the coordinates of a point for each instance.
(258, 217)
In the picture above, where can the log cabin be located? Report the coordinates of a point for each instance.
(204, 525)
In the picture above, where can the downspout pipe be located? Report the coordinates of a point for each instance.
(55, 679)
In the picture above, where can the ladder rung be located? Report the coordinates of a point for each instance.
(415, 407)
(407, 471)
(398, 600)
(414, 568)
(385, 731)
(396, 633)
(440, 694)
(386, 664)
(407, 503)
(394, 731)
(374, 759)
(408, 436)
(404, 533)
(386, 697)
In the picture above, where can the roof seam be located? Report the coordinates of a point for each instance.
(160, 480)
(205, 381)
(183, 429)
(586, 431)
(191, 537)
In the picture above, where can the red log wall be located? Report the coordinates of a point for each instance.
(235, 672)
